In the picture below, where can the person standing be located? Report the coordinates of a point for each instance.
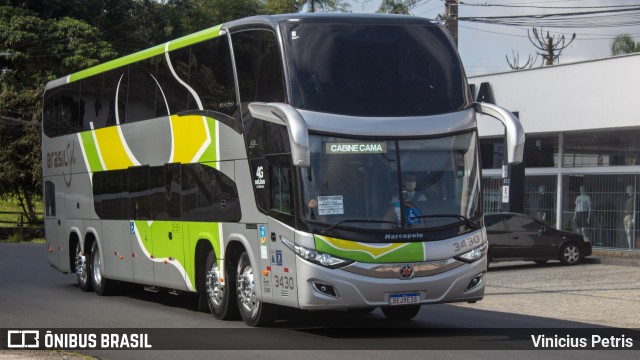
(630, 209)
(582, 214)
(544, 205)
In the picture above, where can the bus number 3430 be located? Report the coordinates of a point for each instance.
(285, 282)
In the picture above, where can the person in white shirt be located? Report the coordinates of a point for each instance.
(582, 215)
(409, 192)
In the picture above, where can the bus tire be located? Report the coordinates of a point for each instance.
(101, 285)
(253, 311)
(83, 269)
(401, 313)
(221, 298)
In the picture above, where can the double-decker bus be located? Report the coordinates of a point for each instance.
(273, 162)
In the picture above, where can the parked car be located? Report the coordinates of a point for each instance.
(515, 236)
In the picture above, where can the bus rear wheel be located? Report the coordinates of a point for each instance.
(101, 285)
(253, 311)
(401, 313)
(82, 269)
(220, 294)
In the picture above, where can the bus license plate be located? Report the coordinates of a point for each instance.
(404, 299)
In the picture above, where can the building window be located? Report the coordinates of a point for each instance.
(492, 152)
(541, 151)
(604, 148)
(492, 194)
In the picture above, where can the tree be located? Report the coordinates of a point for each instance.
(551, 46)
(271, 7)
(624, 44)
(403, 7)
(323, 5)
(40, 50)
(515, 63)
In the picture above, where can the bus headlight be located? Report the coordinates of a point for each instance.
(316, 257)
(474, 254)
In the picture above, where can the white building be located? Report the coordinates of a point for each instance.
(583, 130)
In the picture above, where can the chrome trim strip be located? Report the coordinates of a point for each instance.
(392, 271)
(390, 126)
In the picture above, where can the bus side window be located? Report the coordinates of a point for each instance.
(50, 198)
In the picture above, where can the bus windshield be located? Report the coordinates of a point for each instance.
(364, 70)
(413, 184)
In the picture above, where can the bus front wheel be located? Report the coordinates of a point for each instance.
(253, 311)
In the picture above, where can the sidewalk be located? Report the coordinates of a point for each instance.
(614, 257)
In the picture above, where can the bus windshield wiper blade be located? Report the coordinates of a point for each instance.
(357, 220)
(463, 219)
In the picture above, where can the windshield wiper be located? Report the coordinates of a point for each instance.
(358, 220)
(463, 219)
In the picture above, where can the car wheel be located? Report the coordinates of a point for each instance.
(571, 254)
(253, 311)
(401, 313)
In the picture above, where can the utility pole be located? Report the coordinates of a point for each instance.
(451, 18)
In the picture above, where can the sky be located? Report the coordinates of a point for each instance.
(483, 47)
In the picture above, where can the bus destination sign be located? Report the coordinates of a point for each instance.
(356, 148)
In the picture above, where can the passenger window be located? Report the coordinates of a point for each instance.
(115, 80)
(259, 67)
(143, 93)
(139, 203)
(49, 198)
(94, 111)
(71, 109)
(212, 75)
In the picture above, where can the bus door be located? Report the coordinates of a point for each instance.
(54, 219)
(280, 283)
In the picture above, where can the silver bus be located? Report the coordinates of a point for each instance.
(308, 161)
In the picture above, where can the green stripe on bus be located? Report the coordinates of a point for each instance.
(148, 53)
(91, 151)
(195, 38)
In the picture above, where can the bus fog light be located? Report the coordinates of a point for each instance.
(475, 282)
(324, 289)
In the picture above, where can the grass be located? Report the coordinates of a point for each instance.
(11, 204)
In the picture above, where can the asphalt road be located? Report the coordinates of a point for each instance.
(33, 295)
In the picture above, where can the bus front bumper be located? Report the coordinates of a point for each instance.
(372, 285)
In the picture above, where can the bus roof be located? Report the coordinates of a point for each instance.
(265, 20)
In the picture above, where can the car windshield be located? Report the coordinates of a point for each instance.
(413, 184)
(373, 69)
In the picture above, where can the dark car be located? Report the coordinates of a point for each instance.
(515, 236)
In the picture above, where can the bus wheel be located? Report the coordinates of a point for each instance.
(253, 312)
(401, 313)
(101, 285)
(220, 295)
(82, 269)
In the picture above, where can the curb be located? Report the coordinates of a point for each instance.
(611, 260)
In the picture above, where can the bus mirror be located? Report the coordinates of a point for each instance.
(514, 131)
(283, 114)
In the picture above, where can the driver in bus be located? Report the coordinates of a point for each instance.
(409, 192)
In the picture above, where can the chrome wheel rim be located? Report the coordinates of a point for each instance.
(81, 265)
(215, 290)
(246, 290)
